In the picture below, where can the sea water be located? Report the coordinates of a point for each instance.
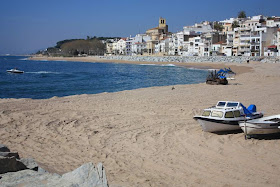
(46, 79)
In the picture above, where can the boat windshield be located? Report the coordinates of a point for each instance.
(218, 114)
(221, 104)
(232, 104)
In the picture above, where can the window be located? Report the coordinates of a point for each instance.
(218, 114)
(206, 113)
(221, 104)
(236, 113)
(229, 115)
(232, 104)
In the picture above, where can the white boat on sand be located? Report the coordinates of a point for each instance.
(225, 116)
(265, 125)
(15, 71)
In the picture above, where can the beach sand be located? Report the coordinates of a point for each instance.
(148, 137)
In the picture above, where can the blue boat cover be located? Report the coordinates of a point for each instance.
(246, 111)
(252, 108)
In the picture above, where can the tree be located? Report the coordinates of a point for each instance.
(235, 24)
(89, 47)
(218, 27)
(242, 14)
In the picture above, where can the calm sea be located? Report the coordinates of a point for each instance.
(45, 79)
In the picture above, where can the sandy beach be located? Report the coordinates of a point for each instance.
(148, 137)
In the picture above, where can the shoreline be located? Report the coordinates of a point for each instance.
(148, 137)
(239, 68)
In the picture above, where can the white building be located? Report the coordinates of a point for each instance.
(121, 46)
(273, 22)
(115, 48)
(231, 20)
(193, 47)
(252, 41)
(176, 43)
(271, 51)
(230, 37)
(139, 44)
(199, 28)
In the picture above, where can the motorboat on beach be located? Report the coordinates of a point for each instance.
(265, 125)
(15, 70)
(220, 77)
(225, 116)
(226, 73)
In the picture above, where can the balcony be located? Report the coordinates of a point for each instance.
(244, 50)
(255, 36)
(255, 43)
(245, 33)
(255, 50)
(244, 44)
(245, 36)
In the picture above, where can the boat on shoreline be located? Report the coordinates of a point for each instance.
(220, 77)
(15, 70)
(225, 116)
(265, 125)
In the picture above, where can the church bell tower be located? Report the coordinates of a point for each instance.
(162, 25)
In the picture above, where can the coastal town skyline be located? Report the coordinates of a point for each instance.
(27, 27)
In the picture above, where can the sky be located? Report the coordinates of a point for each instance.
(27, 26)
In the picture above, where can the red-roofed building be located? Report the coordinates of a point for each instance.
(271, 51)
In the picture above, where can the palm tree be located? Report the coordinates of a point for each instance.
(235, 24)
(242, 14)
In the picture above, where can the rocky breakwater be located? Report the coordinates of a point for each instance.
(186, 59)
(16, 171)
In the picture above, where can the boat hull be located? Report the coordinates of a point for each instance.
(17, 72)
(259, 128)
(218, 126)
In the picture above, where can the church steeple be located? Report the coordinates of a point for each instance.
(162, 23)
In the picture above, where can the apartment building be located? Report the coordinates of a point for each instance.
(139, 44)
(273, 22)
(176, 41)
(203, 27)
(255, 36)
(109, 48)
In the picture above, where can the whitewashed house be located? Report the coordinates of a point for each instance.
(203, 27)
(271, 51)
(139, 44)
(176, 43)
(193, 46)
(115, 48)
(121, 46)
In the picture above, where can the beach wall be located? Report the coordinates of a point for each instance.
(227, 59)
